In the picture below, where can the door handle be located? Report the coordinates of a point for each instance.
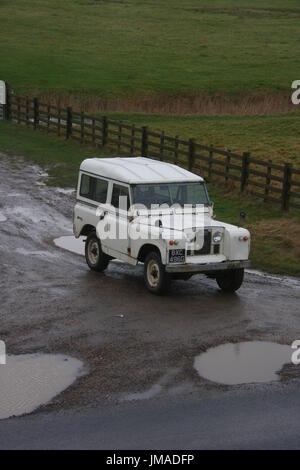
(101, 217)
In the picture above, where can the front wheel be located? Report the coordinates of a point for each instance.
(156, 278)
(230, 280)
(95, 258)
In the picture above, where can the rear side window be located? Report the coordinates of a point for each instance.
(93, 188)
(117, 192)
(100, 190)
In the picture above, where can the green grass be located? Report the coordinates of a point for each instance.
(273, 137)
(275, 235)
(133, 46)
(61, 157)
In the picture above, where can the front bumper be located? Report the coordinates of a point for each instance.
(208, 267)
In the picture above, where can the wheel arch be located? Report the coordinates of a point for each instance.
(146, 249)
(86, 229)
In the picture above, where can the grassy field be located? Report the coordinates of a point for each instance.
(273, 137)
(275, 235)
(104, 48)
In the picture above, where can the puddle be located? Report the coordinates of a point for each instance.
(70, 243)
(240, 363)
(2, 217)
(75, 245)
(65, 190)
(31, 380)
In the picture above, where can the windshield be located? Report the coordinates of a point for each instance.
(170, 193)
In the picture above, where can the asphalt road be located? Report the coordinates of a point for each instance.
(256, 419)
(139, 385)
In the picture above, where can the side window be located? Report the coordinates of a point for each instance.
(93, 188)
(86, 186)
(100, 190)
(117, 192)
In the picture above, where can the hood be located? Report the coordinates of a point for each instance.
(178, 220)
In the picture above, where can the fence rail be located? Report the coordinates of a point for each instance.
(277, 183)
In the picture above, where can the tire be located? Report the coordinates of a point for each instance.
(156, 279)
(230, 280)
(95, 258)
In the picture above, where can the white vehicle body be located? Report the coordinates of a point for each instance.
(98, 211)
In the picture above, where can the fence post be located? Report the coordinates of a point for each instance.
(69, 123)
(7, 107)
(119, 135)
(245, 170)
(81, 127)
(210, 160)
(162, 145)
(27, 110)
(268, 180)
(104, 131)
(19, 109)
(191, 156)
(132, 139)
(48, 117)
(35, 113)
(93, 130)
(228, 157)
(58, 119)
(144, 148)
(176, 150)
(286, 187)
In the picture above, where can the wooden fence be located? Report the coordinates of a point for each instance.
(278, 183)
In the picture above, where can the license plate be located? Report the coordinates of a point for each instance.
(177, 256)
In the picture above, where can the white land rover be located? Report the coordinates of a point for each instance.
(156, 213)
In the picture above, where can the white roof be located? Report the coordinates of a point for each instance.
(134, 170)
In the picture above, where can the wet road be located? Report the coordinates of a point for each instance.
(135, 346)
(257, 419)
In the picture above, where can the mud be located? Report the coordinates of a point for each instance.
(130, 340)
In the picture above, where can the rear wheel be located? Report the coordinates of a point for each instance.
(95, 258)
(230, 280)
(156, 279)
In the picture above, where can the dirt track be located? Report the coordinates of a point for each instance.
(51, 302)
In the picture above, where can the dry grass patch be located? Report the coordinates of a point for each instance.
(284, 234)
(245, 104)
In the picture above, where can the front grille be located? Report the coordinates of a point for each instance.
(216, 249)
(205, 250)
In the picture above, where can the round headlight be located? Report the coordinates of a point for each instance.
(217, 237)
